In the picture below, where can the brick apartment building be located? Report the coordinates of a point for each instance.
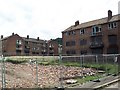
(17, 45)
(101, 36)
(53, 46)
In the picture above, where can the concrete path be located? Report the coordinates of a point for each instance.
(115, 85)
(97, 85)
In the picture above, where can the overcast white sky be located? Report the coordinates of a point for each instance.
(48, 18)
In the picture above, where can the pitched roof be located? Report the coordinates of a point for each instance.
(24, 38)
(94, 22)
(9, 37)
(32, 39)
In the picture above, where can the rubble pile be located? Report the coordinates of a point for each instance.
(27, 76)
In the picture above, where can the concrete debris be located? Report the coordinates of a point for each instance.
(24, 75)
(71, 81)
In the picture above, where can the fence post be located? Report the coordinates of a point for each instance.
(115, 64)
(81, 61)
(106, 65)
(36, 73)
(3, 73)
(97, 67)
(60, 62)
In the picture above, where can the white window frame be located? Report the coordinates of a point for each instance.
(95, 30)
(112, 25)
(82, 31)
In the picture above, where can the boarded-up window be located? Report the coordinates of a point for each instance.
(97, 51)
(112, 39)
(112, 50)
(83, 42)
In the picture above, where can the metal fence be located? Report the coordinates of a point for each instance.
(55, 71)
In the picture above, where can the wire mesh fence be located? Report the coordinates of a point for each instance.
(56, 71)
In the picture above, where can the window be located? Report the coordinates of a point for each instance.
(67, 43)
(112, 50)
(37, 48)
(66, 33)
(83, 42)
(70, 43)
(17, 46)
(112, 39)
(71, 52)
(18, 52)
(83, 52)
(26, 42)
(96, 29)
(67, 52)
(19, 42)
(82, 31)
(35, 52)
(35, 43)
(73, 32)
(97, 51)
(70, 33)
(26, 50)
(34, 48)
(27, 47)
(112, 25)
(96, 39)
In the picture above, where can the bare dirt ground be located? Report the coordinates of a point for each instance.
(24, 75)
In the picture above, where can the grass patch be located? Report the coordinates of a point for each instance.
(16, 61)
(88, 78)
(85, 79)
(48, 62)
(74, 64)
(108, 68)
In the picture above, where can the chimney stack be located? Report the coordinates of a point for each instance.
(37, 38)
(109, 14)
(1, 36)
(27, 36)
(12, 33)
(77, 23)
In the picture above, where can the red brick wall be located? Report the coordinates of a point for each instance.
(77, 37)
(9, 44)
